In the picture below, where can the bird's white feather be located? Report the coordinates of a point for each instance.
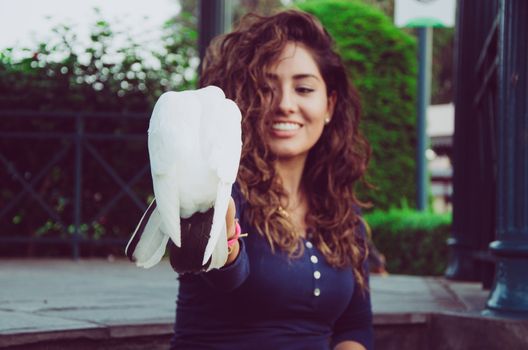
(158, 253)
(168, 205)
(194, 147)
(219, 256)
(151, 246)
(221, 148)
(219, 219)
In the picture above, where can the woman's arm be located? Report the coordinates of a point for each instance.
(355, 324)
(353, 329)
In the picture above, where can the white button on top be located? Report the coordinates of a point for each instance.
(309, 245)
(314, 259)
(317, 275)
(317, 292)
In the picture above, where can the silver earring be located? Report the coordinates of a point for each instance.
(326, 121)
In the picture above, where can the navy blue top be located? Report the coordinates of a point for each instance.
(267, 301)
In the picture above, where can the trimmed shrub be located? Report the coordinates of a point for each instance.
(413, 242)
(382, 64)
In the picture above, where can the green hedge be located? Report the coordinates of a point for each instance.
(382, 63)
(414, 243)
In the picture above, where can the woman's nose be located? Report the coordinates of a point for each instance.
(287, 103)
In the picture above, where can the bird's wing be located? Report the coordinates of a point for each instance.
(222, 142)
(219, 256)
(161, 134)
(218, 234)
(221, 148)
(168, 200)
(170, 141)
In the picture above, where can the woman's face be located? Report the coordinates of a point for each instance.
(304, 104)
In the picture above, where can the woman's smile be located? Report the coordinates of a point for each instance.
(285, 129)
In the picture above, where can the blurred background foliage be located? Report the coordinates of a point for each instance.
(101, 76)
(115, 73)
(413, 243)
(443, 55)
(63, 74)
(381, 61)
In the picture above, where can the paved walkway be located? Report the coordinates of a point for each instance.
(49, 299)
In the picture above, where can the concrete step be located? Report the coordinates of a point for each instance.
(101, 304)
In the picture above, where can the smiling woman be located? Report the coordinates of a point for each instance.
(299, 279)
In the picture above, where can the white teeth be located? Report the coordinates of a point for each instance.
(285, 126)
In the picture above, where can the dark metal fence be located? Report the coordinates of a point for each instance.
(490, 212)
(475, 141)
(71, 178)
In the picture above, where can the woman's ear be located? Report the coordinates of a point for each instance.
(332, 98)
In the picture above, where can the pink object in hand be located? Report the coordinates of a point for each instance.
(238, 230)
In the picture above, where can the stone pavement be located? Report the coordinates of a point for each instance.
(107, 302)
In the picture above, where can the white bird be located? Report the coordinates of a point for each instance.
(194, 142)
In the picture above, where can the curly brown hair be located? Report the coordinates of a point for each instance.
(237, 63)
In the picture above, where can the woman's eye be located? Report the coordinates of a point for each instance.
(304, 90)
(266, 89)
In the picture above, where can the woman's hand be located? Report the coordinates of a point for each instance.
(230, 226)
(349, 345)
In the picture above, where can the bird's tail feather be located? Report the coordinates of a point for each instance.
(219, 256)
(148, 243)
(220, 209)
(158, 253)
(168, 201)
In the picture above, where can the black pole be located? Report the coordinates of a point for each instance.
(214, 19)
(509, 295)
(461, 265)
